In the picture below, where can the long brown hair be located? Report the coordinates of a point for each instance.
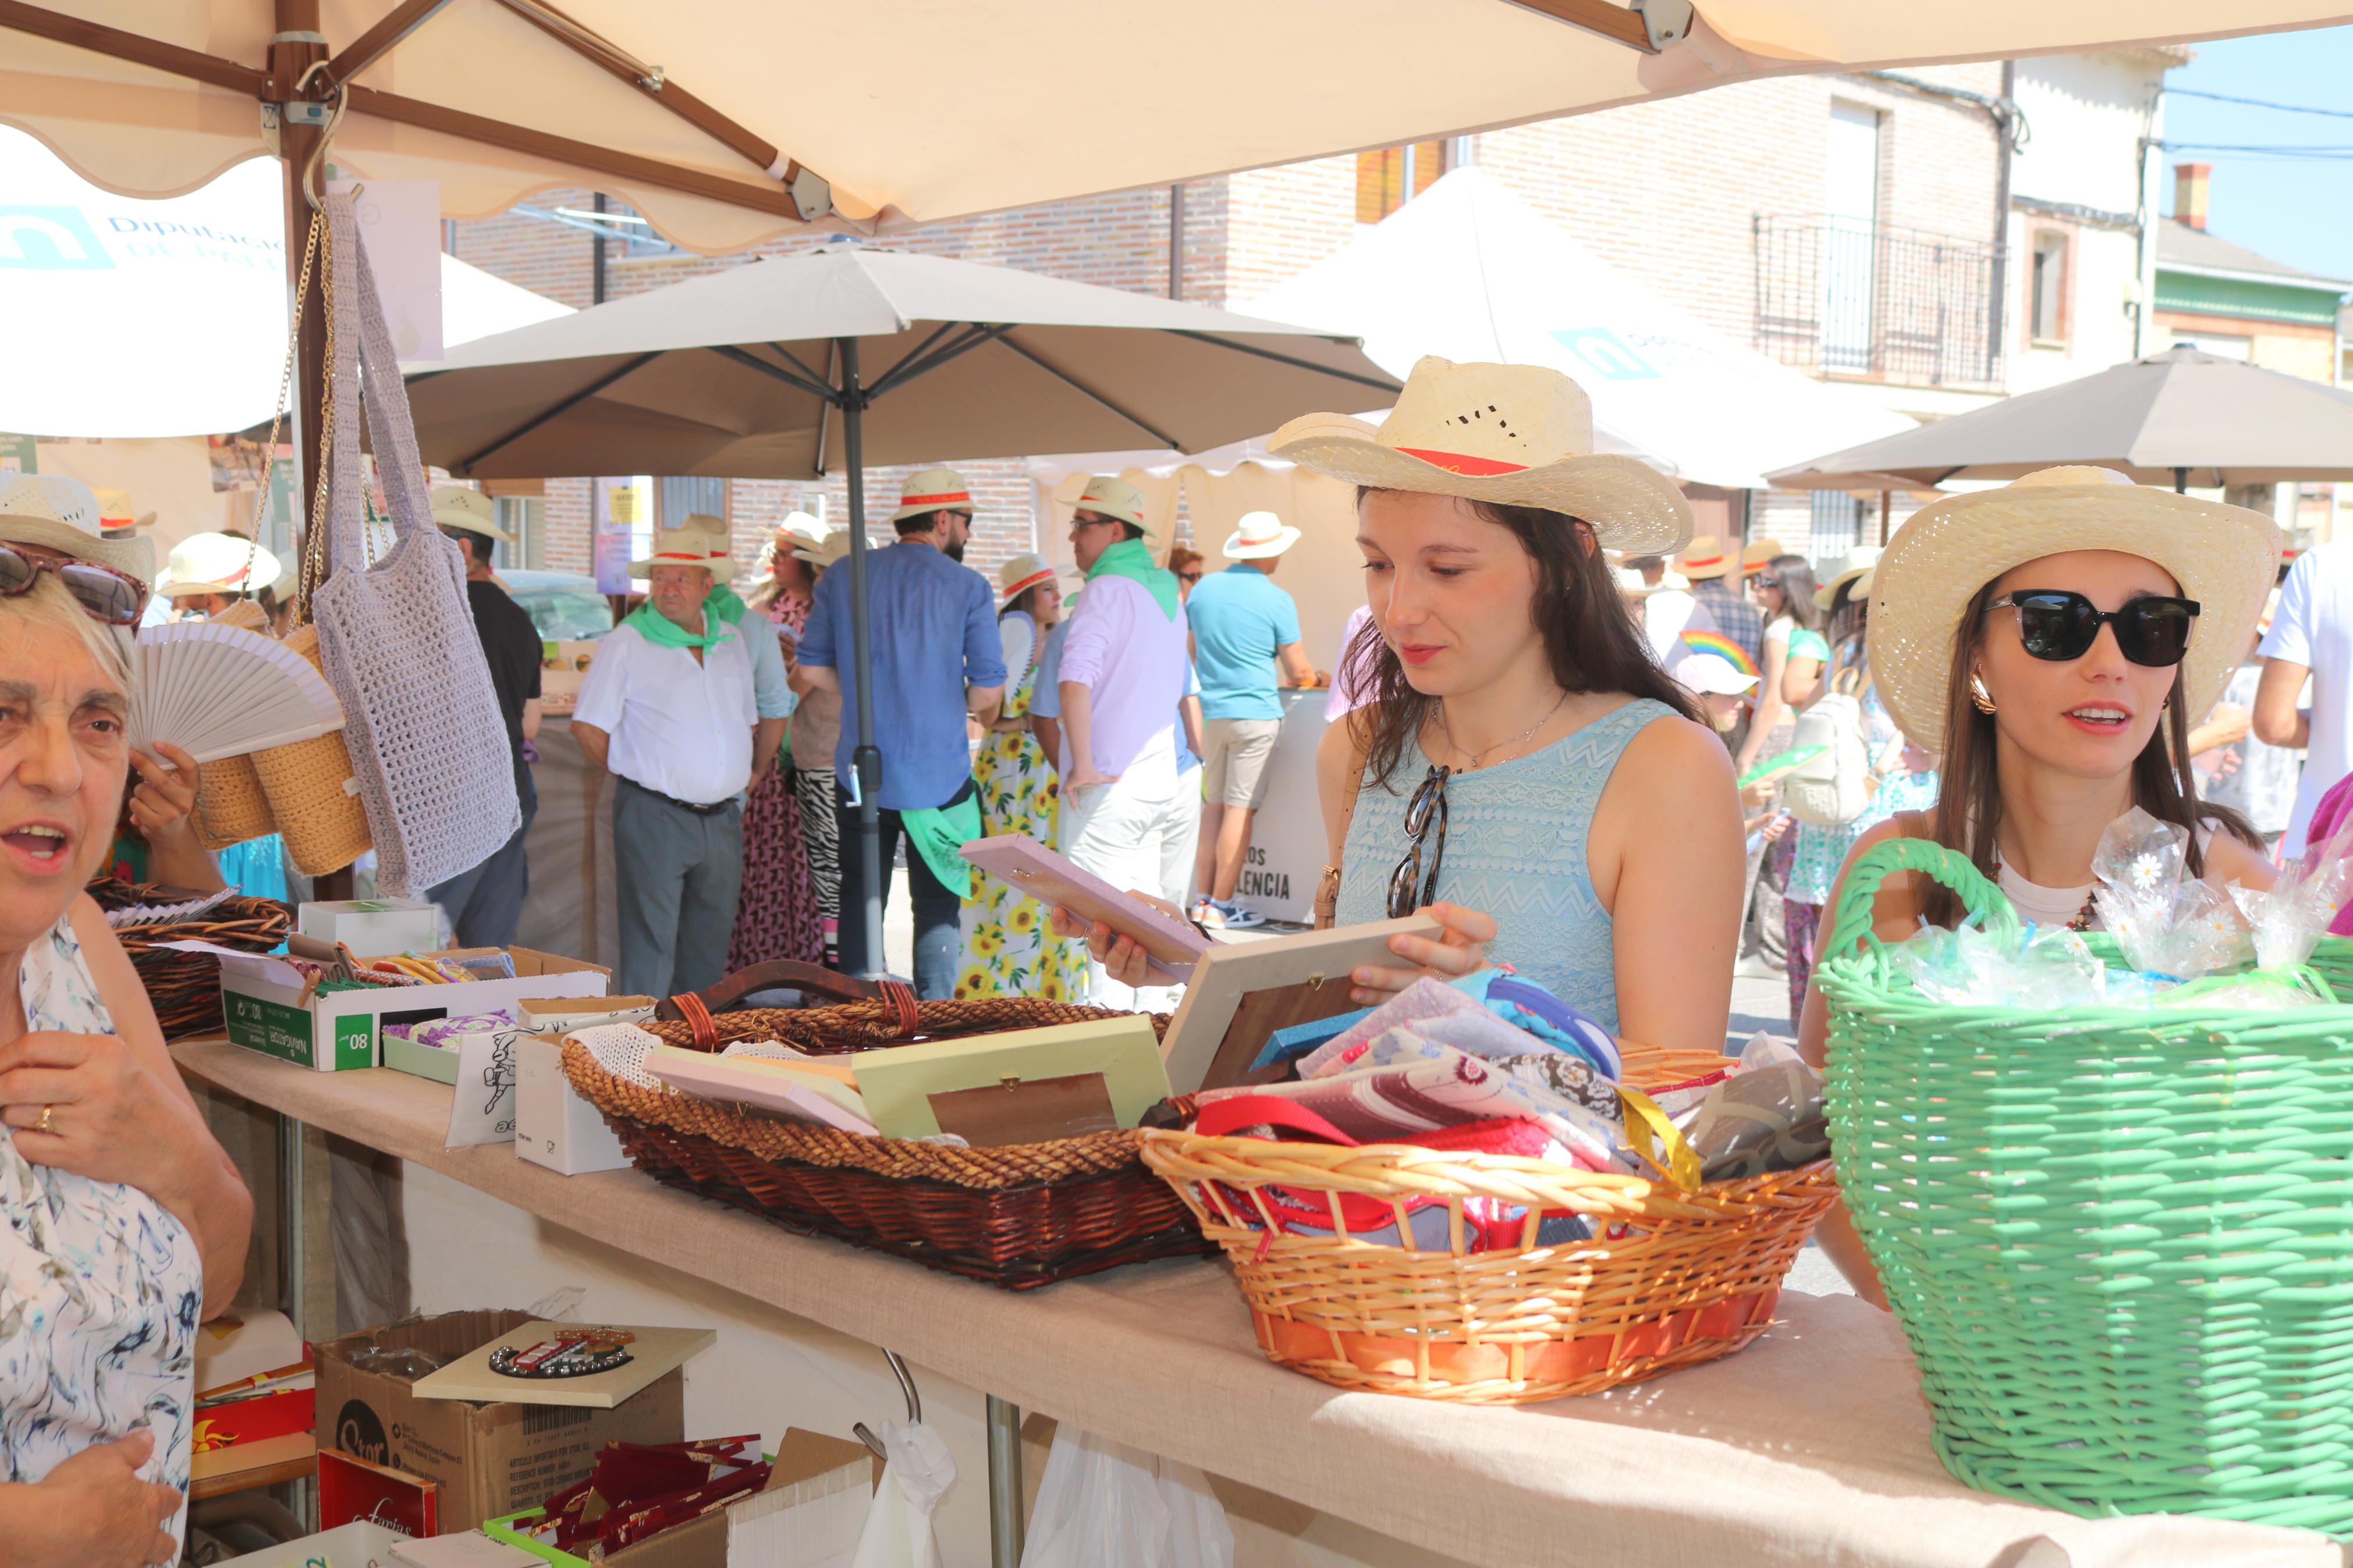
(1968, 814)
(1590, 643)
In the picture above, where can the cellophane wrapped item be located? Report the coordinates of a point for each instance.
(2032, 966)
(2289, 918)
(2168, 921)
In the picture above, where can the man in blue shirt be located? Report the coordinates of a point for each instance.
(936, 662)
(1243, 626)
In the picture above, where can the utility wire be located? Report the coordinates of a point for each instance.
(2259, 103)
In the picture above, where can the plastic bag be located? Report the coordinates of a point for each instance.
(2034, 967)
(916, 1473)
(1106, 1505)
(2291, 916)
(2166, 922)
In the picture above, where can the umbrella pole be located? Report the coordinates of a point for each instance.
(2182, 481)
(865, 759)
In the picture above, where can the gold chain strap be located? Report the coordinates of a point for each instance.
(285, 398)
(314, 539)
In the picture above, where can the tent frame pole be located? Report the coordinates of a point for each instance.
(866, 758)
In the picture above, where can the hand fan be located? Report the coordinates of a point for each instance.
(216, 691)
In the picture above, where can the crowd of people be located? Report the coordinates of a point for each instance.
(1619, 758)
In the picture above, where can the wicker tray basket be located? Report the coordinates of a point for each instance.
(2117, 1238)
(1018, 1216)
(185, 987)
(1670, 1280)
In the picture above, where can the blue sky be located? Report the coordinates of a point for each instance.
(2298, 210)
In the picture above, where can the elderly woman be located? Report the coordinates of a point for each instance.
(122, 1225)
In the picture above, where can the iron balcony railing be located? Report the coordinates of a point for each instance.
(1842, 297)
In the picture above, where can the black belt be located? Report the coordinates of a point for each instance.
(712, 809)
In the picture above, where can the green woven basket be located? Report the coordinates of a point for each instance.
(2121, 1242)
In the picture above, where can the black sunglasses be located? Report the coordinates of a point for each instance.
(2059, 624)
(1410, 889)
(103, 593)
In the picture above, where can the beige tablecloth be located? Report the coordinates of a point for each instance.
(1810, 1447)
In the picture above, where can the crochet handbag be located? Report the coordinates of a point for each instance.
(428, 745)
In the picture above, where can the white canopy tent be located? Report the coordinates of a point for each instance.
(130, 318)
(1467, 271)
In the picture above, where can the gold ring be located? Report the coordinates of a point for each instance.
(43, 1124)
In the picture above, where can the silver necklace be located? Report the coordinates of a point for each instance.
(1479, 758)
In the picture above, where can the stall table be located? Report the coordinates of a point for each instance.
(1810, 1447)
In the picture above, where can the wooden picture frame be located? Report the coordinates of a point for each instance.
(1243, 992)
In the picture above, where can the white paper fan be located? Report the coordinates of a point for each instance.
(220, 692)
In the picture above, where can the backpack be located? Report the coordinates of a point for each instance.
(1832, 788)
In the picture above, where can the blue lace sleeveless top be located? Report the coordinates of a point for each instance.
(1515, 850)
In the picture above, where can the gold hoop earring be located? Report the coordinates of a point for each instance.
(1979, 698)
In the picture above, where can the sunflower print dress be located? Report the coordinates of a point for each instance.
(100, 1286)
(1008, 948)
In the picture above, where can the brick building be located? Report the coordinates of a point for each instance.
(1849, 224)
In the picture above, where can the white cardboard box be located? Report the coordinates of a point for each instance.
(554, 1126)
(359, 1544)
(336, 1031)
(373, 926)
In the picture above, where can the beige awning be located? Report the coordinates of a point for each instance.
(727, 123)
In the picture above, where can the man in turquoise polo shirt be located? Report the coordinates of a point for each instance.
(1244, 626)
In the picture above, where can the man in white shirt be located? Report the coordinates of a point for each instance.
(2311, 636)
(668, 707)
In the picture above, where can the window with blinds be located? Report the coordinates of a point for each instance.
(1388, 179)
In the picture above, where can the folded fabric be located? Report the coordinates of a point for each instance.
(443, 1033)
(1522, 1001)
(1493, 1013)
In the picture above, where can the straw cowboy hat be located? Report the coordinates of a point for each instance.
(115, 516)
(1708, 556)
(1258, 535)
(217, 563)
(700, 541)
(2222, 557)
(932, 490)
(1020, 574)
(1854, 567)
(829, 548)
(455, 506)
(1518, 434)
(1754, 558)
(1109, 496)
(61, 514)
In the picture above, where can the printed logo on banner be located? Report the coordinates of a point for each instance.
(1606, 354)
(50, 239)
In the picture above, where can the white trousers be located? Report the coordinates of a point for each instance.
(1137, 833)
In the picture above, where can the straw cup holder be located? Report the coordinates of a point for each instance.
(2120, 1240)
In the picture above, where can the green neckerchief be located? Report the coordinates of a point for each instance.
(938, 832)
(1129, 558)
(719, 611)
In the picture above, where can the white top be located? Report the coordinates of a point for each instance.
(2314, 626)
(2047, 907)
(680, 728)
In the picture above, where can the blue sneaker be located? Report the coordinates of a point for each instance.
(1236, 918)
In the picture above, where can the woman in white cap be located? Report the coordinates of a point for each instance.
(2058, 637)
(208, 572)
(1009, 945)
(777, 915)
(1524, 770)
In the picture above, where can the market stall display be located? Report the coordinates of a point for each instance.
(184, 986)
(2117, 1244)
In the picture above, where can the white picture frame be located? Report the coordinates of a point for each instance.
(1286, 980)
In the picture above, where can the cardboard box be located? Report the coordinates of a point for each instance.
(559, 1015)
(554, 1127)
(373, 925)
(487, 1460)
(810, 1514)
(269, 1008)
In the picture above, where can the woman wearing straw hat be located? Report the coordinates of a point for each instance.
(2056, 638)
(779, 912)
(1524, 770)
(1010, 948)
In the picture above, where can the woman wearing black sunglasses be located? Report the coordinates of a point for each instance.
(2062, 634)
(1522, 767)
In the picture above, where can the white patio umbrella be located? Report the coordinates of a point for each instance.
(758, 371)
(730, 121)
(131, 319)
(1469, 271)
